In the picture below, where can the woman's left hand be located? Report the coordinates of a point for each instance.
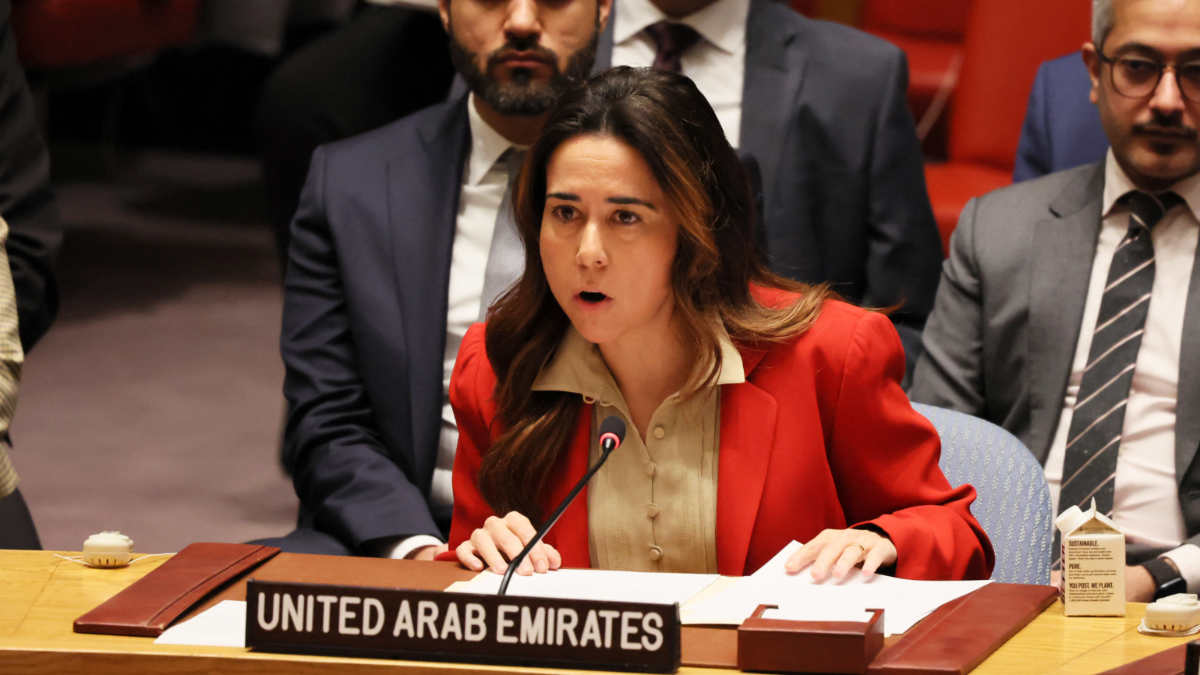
(836, 552)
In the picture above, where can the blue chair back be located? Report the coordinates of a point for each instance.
(1013, 503)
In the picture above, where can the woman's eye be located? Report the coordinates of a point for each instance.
(563, 212)
(626, 217)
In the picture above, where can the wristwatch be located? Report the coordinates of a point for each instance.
(1167, 580)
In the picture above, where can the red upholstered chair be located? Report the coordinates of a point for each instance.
(1005, 42)
(66, 34)
(931, 34)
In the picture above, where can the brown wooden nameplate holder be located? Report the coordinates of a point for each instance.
(960, 634)
(808, 646)
(155, 601)
(433, 625)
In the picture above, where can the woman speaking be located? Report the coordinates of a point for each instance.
(758, 410)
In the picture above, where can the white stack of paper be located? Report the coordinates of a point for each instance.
(904, 601)
(222, 625)
(651, 587)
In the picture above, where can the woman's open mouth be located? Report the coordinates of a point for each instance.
(592, 297)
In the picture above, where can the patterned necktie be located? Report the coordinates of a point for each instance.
(506, 257)
(11, 358)
(1094, 437)
(672, 40)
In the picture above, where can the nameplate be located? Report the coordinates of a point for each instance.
(433, 625)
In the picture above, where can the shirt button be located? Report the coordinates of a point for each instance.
(659, 432)
(656, 553)
(652, 511)
(650, 469)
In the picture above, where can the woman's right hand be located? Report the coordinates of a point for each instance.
(500, 540)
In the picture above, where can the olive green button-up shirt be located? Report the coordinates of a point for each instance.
(653, 505)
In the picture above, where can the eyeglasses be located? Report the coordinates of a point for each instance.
(1138, 76)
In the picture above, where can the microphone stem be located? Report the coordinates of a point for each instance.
(516, 562)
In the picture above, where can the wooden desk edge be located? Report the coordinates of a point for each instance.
(42, 657)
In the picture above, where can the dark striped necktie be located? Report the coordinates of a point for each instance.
(671, 41)
(1094, 438)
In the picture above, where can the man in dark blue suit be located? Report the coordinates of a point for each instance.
(822, 109)
(392, 256)
(34, 237)
(1062, 128)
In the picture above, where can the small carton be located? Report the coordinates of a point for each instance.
(1093, 563)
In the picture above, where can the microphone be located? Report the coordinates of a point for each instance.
(612, 432)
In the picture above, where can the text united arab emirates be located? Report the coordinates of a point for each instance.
(397, 623)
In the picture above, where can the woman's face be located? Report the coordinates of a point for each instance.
(607, 242)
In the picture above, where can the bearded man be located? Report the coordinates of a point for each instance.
(402, 238)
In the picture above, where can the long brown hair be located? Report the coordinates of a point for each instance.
(668, 121)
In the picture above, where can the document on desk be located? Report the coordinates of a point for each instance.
(798, 597)
(650, 587)
(713, 600)
(222, 625)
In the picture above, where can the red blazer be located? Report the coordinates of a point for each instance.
(819, 436)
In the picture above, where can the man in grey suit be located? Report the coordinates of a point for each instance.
(1069, 309)
(396, 247)
(822, 109)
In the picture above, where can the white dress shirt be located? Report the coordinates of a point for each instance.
(1146, 493)
(485, 179)
(717, 63)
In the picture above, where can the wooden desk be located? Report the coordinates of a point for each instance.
(1054, 643)
(41, 594)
